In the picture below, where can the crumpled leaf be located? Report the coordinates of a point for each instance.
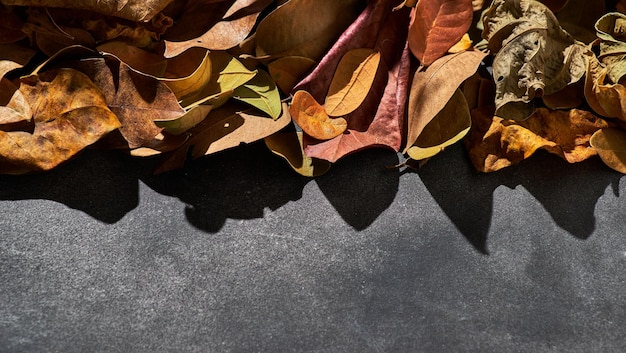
(14, 108)
(224, 128)
(610, 143)
(432, 89)
(260, 92)
(313, 119)
(437, 25)
(352, 81)
(448, 127)
(379, 120)
(288, 145)
(304, 27)
(135, 10)
(136, 99)
(62, 126)
(605, 98)
(494, 143)
(289, 70)
(611, 29)
(535, 56)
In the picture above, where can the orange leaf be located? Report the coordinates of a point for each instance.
(436, 26)
(610, 143)
(312, 117)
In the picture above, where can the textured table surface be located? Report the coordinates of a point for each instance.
(238, 254)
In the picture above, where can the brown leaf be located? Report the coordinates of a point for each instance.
(606, 99)
(289, 70)
(432, 89)
(138, 59)
(495, 143)
(10, 26)
(288, 145)
(610, 143)
(378, 121)
(436, 26)
(14, 109)
(70, 113)
(313, 119)
(14, 56)
(352, 81)
(304, 27)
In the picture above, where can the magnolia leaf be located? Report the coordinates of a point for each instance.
(14, 108)
(432, 89)
(449, 126)
(352, 81)
(495, 143)
(186, 121)
(138, 100)
(304, 27)
(14, 56)
(235, 24)
(606, 99)
(62, 126)
(260, 92)
(379, 119)
(313, 119)
(610, 143)
(288, 70)
(135, 10)
(437, 25)
(224, 128)
(288, 145)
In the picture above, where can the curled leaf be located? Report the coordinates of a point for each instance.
(313, 119)
(610, 143)
(605, 98)
(288, 145)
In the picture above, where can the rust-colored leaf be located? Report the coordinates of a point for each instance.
(610, 143)
(352, 81)
(313, 119)
(62, 126)
(495, 143)
(436, 26)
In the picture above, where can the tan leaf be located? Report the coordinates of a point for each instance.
(288, 145)
(289, 70)
(606, 99)
(495, 143)
(352, 81)
(14, 109)
(313, 119)
(610, 143)
(432, 89)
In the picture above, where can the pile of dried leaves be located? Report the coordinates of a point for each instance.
(315, 79)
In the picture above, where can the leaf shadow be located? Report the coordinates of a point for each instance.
(568, 192)
(102, 184)
(239, 183)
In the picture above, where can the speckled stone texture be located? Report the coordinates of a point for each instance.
(236, 253)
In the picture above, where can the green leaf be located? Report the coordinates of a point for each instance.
(261, 92)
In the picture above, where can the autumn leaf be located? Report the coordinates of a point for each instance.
(432, 89)
(138, 59)
(288, 145)
(610, 143)
(14, 56)
(260, 92)
(313, 119)
(352, 81)
(189, 119)
(495, 143)
(437, 25)
(14, 108)
(449, 126)
(289, 70)
(62, 127)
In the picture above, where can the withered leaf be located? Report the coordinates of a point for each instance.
(288, 70)
(610, 143)
(432, 89)
(138, 59)
(191, 118)
(605, 98)
(313, 119)
(14, 109)
(62, 126)
(14, 56)
(494, 143)
(352, 81)
(449, 126)
(288, 145)
(436, 26)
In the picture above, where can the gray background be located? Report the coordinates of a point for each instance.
(236, 253)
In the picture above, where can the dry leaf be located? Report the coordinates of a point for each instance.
(14, 56)
(288, 70)
(352, 81)
(62, 126)
(606, 99)
(138, 59)
(495, 143)
(14, 108)
(191, 118)
(610, 143)
(313, 119)
(465, 43)
(449, 126)
(304, 27)
(261, 92)
(288, 145)
(10, 26)
(437, 25)
(432, 89)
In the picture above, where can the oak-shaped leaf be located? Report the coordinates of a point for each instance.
(495, 143)
(437, 25)
(610, 143)
(312, 118)
(69, 114)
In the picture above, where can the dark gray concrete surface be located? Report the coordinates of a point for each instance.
(238, 254)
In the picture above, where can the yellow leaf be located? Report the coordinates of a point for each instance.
(312, 118)
(352, 81)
